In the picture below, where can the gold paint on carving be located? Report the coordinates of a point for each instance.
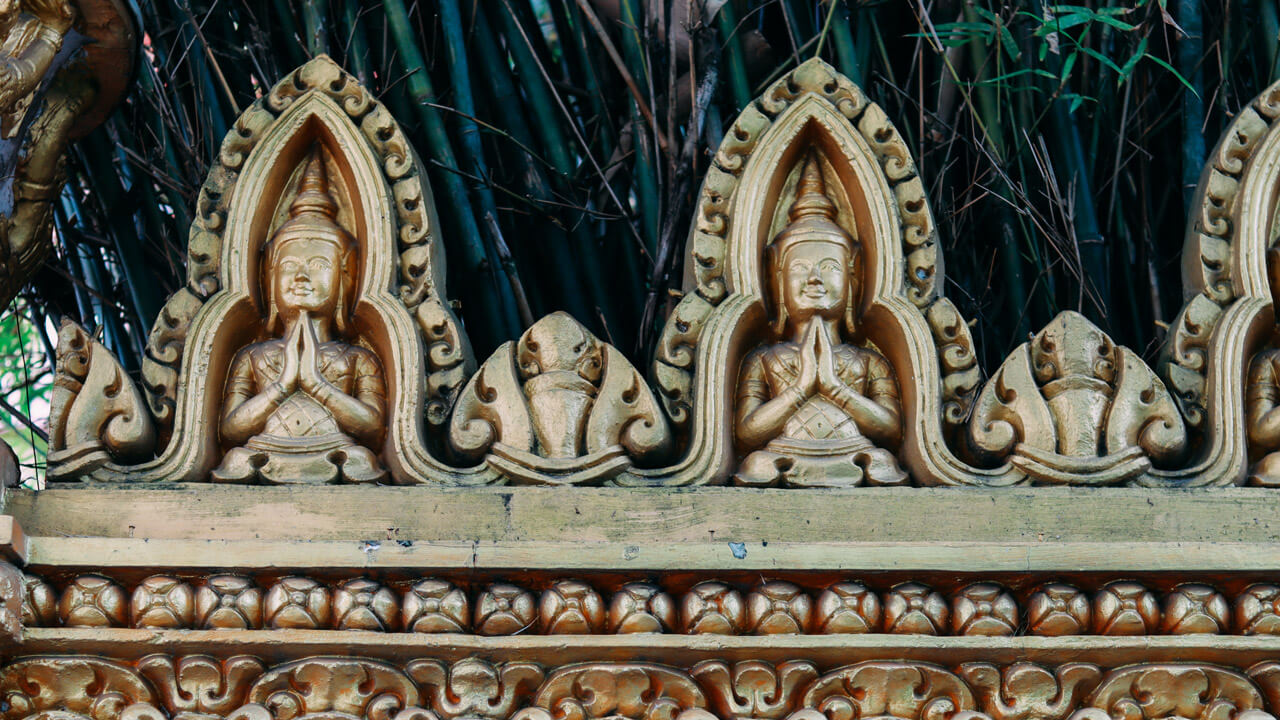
(816, 410)
(1071, 407)
(847, 607)
(1024, 691)
(93, 601)
(230, 602)
(435, 606)
(754, 689)
(558, 407)
(378, 362)
(162, 601)
(1125, 608)
(641, 608)
(96, 414)
(307, 405)
(49, 98)
(1058, 609)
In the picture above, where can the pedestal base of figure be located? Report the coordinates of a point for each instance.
(797, 463)
(266, 460)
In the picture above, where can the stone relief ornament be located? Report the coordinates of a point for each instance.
(313, 342)
(1071, 407)
(1262, 399)
(305, 405)
(96, 414)
(895, 360)
(201, 687)
(811, 407)
(558, 407)
(65, 65)
(1228, 314)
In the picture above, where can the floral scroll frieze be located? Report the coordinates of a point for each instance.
(708, 607)
(243, 688)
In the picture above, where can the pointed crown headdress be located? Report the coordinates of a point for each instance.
(812, 218)
(313, 215)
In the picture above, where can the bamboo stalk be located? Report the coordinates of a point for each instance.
(1270, 38)
(500, 321)
(621, 66)
(501, 86)
(842, 39)
(357, 42)
(1190, 53)
(315, 19)
(545, 101)
(727, 23)
(469, 133)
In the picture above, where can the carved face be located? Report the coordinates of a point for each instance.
(815, 278)
(306, 276)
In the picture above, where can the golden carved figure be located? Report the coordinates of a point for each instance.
(96, 414)
(816, 410)
(1072, 407)
(558, 407)
(32, 33)
(1262, 398)
(305, 405)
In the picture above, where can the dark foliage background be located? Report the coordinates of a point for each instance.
(1060, 145)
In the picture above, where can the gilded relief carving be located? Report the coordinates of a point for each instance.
(315, 290)
(1262, 399)
(1071, 407)
(906, 333)
(241, 687)
(47, 100)
(314, 343)
(96, 414)
(558, 407)
(305, 405)
(569, 606)
(814, 410)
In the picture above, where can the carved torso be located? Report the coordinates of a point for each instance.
(770, 370)
(820, 443)
(352, 369)
(302, 440)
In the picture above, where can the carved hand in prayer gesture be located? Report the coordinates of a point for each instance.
(309, 377)
(289, 370)
(807, 381)
(829, 382)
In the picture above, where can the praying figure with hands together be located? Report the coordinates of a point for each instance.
(307, 406)
(813, 410)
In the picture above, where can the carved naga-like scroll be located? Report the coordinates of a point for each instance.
(313, 341)
(67, 64)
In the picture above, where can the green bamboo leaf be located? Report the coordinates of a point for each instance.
(1068, 65)
(1063, 22)
(1170, 68)
(1100, 58)
(1127, 69)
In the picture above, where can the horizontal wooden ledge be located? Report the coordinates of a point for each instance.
(681, 650)
(350, 558)
(644, 516)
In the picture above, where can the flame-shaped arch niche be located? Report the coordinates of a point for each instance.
(398, 312)
(746, 201)
(1227, 326)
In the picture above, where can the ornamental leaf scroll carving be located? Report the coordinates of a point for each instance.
(242, 688)
(860, 372)
(1072, 407)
